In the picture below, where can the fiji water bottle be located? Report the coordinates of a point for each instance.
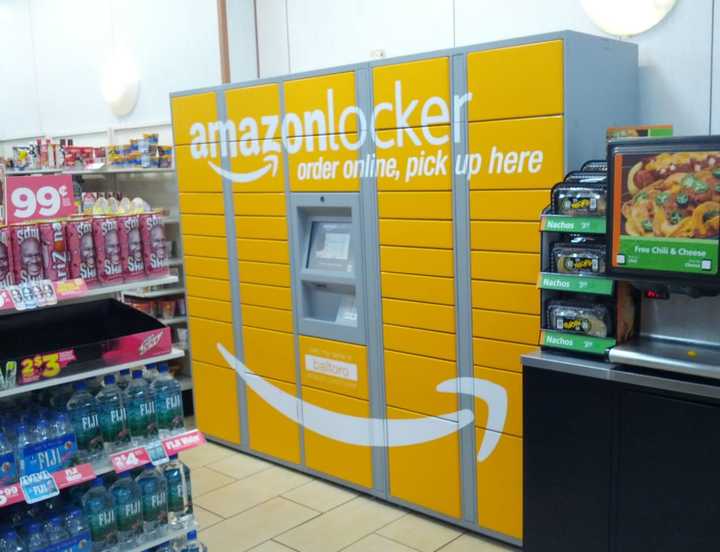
(168, 402)
(36, 540)
(192, 544)
(123, 379)
(113, 418)
(10, 541)
(140, 407)
(56, 532)
(128, 508)
(83, 412)
(78, 528)
(23, 440)
(153, 489)
(60, 427)
(99, 510)
(8, 464)
(179, 492)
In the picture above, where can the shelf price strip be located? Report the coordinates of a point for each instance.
(576, 342)
(581, 225)
(137, 457)
(575, 283)
(32, 486)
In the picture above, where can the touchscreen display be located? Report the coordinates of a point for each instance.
(666, 211)
(330, 246)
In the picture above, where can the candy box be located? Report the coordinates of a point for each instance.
(81, 249)
(26, 253)
(155, 254)
(107, 249)
(54, 250)
(131, 251)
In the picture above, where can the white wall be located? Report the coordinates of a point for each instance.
(675, 57)
(53, 52)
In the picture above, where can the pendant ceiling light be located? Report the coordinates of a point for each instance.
(627, 17)
(120, 83)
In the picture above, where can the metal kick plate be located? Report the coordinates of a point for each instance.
(673, 356)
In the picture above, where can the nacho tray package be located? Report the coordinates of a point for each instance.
(576, 317)
(581, 194)
(571, 258)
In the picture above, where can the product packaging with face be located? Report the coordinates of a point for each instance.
(107, 249)
(81, 249)
(6, 266)
(131, 256)
(153, 243)
(27, 253)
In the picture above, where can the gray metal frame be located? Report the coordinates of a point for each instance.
(306, 208)
(600, 90)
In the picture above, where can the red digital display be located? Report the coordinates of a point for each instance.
(656, 294)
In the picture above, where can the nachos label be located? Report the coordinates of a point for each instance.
(667, 212)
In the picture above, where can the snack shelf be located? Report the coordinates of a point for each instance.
(6, 306)
(576, 283)
(92, 171)
(156, 293)
(573, 225)
(173, 354)
(173, 320)
(576, 342)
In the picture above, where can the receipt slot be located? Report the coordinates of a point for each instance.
(328, 258)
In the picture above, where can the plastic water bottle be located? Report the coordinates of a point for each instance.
(61, 427)
(153, 489)
(151, 373)
(56, 532)
(168, 403)
(192, 544)
(113, 418)
(36, 540)
(78, 527)
(83, 411)
(164, 547)
(123, 379)
(98, 507)
(179, 492)
(128, 508)
(140, 407)
(10, 541)
(8, 463)
(24, 438)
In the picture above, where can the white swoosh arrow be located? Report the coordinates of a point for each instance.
(370, 432)
(244, 178)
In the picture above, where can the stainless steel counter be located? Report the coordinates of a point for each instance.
(620, 374)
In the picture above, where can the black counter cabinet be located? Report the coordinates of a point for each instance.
(618, 461)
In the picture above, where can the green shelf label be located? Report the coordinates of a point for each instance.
(575, 283)
(576, 342)
(688, 255)
(583, 225)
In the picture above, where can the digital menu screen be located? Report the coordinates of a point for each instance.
(666, 211)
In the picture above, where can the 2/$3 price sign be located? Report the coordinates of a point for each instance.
(29, 198)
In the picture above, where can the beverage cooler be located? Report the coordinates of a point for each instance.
(622, 404)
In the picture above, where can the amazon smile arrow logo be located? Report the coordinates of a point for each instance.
(384, 432)
(244, 178)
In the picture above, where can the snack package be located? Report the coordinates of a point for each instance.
(155, 255)
(26, 253)
(587, 319)
(131, 251)
(587, 197)
(595, 165)
(54, 250)
(571, 258)
(107, 250)
(81, 249)
(7, 278)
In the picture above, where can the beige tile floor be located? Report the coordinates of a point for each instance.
(246, 504)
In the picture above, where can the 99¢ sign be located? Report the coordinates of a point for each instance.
(38, 197)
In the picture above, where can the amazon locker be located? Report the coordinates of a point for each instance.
(362, 245)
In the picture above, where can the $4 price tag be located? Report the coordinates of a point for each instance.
(129, 459)
(38, 197)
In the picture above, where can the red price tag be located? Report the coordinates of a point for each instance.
(10, 495)
(183, 442)
(129, 459)
(30, 198)
(74, 476)
(70, 289)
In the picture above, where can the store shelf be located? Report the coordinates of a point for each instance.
(181, 346)
(157, 293)
(173, 320)
(175, 262)
(53, 382)
(171, 219)
(86, 172)
(165, 537)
